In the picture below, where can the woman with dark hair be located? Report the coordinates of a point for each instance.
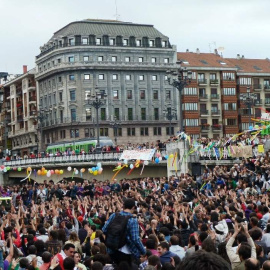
(74, 239)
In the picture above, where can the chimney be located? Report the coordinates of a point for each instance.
(24, 69)
(197, 51)
(216, 51)
(187, 50)
(238, 56)
(243, 56)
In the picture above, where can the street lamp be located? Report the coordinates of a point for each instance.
(115, 125)
(97, 100)
(248, 99)
(179, 79)
(170, 114)
(42, 114)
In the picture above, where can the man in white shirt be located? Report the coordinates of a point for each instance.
(175, 248)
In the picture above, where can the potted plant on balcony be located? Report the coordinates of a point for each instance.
(217, 126)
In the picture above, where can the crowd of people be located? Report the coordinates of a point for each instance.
(217, 220)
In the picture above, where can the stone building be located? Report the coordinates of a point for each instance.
(125, 61)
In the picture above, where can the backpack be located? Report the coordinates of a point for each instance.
(117, 232)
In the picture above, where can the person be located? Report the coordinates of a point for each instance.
(144, 259)
(53, 245)
(252, 264)
(46, 258)
(133, 246)
(74, 239)
(164, 253)
(175, 248)
(68, 251)
(78, 264)
(245, 250)
(266, 265)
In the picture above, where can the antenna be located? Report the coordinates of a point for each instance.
(117, 16)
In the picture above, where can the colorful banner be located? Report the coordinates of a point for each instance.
(145, 154)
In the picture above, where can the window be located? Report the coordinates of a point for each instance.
(74, 133)
(59, 60)
(98, 41)
(73, 115)
(114, 58)
(101, 76)
(59, 79)
(115, 94)
(165, 78)
(245, 81)
(144, 131)
(141, 77)
(140, 59)
(86, 132)
(60, 96)
(168, 95)
(62, 134)
(154, 60)
(143, 113)
(71, 41)
(84, 41)
(71, 59)
(61, 116)
(138, 43)
(87, 76)
(86, 58)
(142, 94)
(103, 114)
(151, 43)
(155, 94)
(191, 91)
(100, 58)
(164, 43)
(50, 100)
(115, 77)
(154, 77)
(125, 42)
(166, 60)
(190, 106)
(88, 114)
(127, 59)
(104, 132)
(213, 76)
(87, 94)
(157, 131)
(229, 91)
(168, 131)
(231, 122)
(72, 94)
(71, 77)
(112, 41)
(229, 106)
(128, 77)
(131, 131)
(130, 114)
(129, 94)
(156, 113)
(117, 113)
(191, 122)
(228, 76)
(53, 82)
(54, 98)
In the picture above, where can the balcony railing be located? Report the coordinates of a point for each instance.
(214, 96)
(205, 96)
(214, 81)
(266, 87)
(20, 118)
(204, 112)
(202, 81)
(257, 87)
(205, 128)
(216, 127)
(32, 98)
(258, 102)
(267, 101)
(215, 112)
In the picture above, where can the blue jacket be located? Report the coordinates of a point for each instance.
(166, 257)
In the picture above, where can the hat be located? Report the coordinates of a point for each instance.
(220, 227)
(259, 215)
(80, 218)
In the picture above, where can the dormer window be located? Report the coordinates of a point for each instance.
(125, 42)
(164, 43)
(151, 43)
(138, 43)
(71, 41)
(85, 41)
(112, 41)
(98, 41)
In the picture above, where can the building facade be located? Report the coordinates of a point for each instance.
(125, 61)
(19, 114)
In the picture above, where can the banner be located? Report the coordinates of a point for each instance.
(144, 154)
(242, 151)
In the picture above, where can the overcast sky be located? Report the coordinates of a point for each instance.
(240, 26)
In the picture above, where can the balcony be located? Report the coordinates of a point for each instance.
(215, 112)
(20, 118)
(258, 102)
(205, 128)
(266, 87)
(32, 99)
(214, 97)
(214, 82)
(257, 87)
(32, 113)
(19, 105)
(203, 97)
(204, 112)
(216, 128)
(267, 101)
(202, 82)
(19, 93)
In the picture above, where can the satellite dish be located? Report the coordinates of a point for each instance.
(221, 49)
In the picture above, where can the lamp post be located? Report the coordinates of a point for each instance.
(115, 125)
(179, 79)
(97, 100)
(170, 114)
(42, 114)
(248, 99)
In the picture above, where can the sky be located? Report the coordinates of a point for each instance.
(238, 26)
